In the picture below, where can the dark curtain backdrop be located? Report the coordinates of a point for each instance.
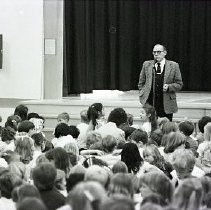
(106, 42)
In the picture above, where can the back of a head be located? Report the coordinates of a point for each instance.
(119, 167)
(38, 139)
(186, 128)
(183, 162)
(121, 183)
(74, 131)
(92, 138)
(173, 141)
(118, 116)
(24, 146)
(62, 129)
(63, 117)
(128, 131)
(44, 176)
(158, 183)
(109, 143)
(118, 202)
(86, 194)
(27, 190)
(98, 174)
(31, 203)
(22, 111)
(131, 157)
(156, 137)
(13, 121)
(83, 115)
(169, 127)
(188, 195)
(60, 158)
(202, 122)
(25, 126)
(7, 134)
(94, 112)
(139, 136)
(8, 181)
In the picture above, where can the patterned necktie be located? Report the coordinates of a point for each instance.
(158, 70)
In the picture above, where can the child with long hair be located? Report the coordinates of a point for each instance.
(152, 155)
(148, 115)
(95, 115)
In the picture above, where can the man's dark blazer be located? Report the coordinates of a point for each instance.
(172, 77)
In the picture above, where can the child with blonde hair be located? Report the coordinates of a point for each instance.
(204, 150)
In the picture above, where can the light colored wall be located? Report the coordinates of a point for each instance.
(21, 23)
(53, 65)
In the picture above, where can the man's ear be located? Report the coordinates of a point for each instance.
(149, 115)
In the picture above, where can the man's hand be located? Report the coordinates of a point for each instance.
(165, 87)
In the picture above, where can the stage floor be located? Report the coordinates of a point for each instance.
(203, 98)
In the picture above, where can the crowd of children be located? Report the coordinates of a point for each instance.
(105, 162)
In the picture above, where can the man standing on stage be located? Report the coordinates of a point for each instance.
(159, 81)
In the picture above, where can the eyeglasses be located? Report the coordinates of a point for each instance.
(158, 52)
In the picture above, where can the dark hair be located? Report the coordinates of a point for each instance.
(139, 136)
(7, 134)
(44, 176)
(202, 122)
(73, 180)
(131, 157)
(12, 121)
(93, 112)
(150, 110)
(118, 116)
(32, 115)
(128, 131)
(60, 157)
(74, 131)
(186, 128)
(130, 119)
(25, 126)
(62, 129)
(22, 111)
(156, 137)
(38, 138)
